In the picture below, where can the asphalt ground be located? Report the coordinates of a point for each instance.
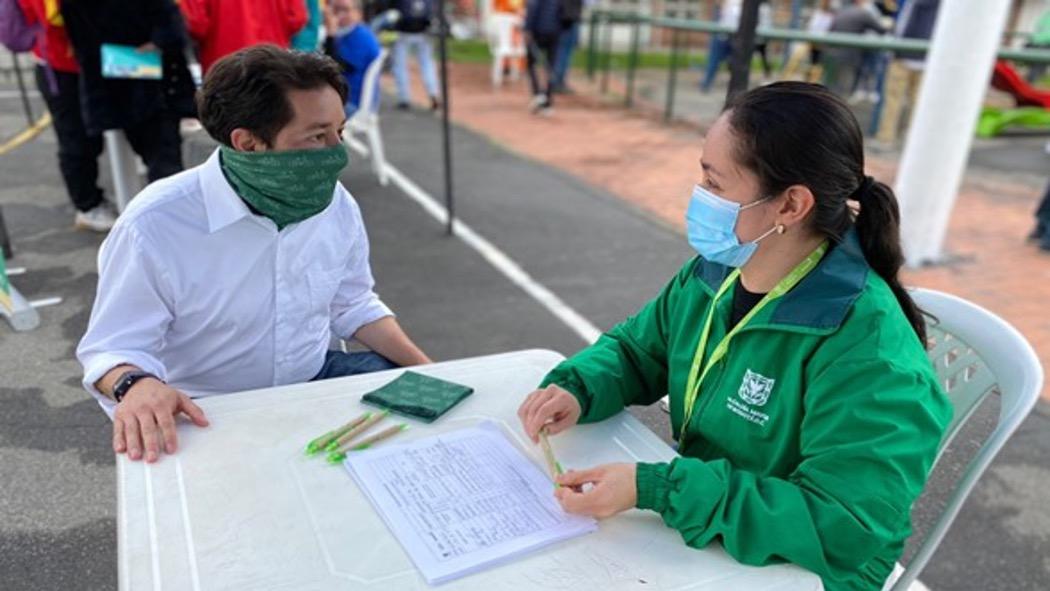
(601, 256)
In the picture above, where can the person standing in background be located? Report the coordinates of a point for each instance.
(904, 76)
(58, 79)
(222, 27)
(722, 43)
(571, 14)
(543, 29)
(310, 36)
(842, 64)
(413, 22)
(147, 111)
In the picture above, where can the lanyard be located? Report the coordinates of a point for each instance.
(696, 377)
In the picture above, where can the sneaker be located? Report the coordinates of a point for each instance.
(97, 219)
(402, 106)
(545, 111)
(538, 102)
(435, 104)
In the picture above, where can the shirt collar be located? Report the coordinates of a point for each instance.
(221, 202)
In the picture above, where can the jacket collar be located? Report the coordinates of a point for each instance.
(821, 300)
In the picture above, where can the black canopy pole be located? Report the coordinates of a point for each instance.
(446, 136)
(743, 46)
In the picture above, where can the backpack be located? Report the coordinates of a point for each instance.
(16, 33)
(415, 15)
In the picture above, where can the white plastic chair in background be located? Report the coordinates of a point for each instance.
(366, 119)
(974, 353)
(504, 46)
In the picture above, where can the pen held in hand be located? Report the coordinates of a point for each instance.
(548, 454)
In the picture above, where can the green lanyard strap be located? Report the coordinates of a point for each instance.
(696, 377)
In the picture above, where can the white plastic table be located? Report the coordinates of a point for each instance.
(240, 506)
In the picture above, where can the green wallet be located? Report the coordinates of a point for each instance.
(418, 396)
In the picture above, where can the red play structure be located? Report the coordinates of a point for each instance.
(1008, 80)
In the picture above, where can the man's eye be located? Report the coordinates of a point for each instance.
(320, 137)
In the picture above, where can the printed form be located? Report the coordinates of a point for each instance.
(463, 501)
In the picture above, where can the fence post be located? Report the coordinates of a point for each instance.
(607, 50)
(672, 77)
(22, 89)
(632, 62)
(592, 44)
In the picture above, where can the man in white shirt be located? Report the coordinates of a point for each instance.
(234, 275)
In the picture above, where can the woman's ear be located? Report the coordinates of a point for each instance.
(798, 202)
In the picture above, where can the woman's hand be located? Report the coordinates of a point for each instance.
(551, 407)
(612, 490)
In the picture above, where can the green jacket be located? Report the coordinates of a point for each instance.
(811, 437)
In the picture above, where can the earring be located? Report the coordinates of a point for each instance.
(781, 228)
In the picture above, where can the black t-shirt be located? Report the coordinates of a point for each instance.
(743, 302)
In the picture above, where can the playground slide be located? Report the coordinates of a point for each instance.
(1006, 79)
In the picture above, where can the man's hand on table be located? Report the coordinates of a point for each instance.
(145, 419)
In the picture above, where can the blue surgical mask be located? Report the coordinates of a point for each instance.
(711, 227)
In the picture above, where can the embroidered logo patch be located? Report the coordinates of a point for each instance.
(755, 388)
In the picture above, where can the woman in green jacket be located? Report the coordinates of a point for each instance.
(806, 411)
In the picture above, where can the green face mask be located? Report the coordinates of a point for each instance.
(287, 186)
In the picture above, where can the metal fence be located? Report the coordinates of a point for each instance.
(599, 48)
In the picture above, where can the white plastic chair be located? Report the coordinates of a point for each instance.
(502, 45)
(366, 119)
(975, 353)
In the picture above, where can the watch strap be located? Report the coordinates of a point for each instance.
(129, 379)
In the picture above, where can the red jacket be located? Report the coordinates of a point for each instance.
(53, 45)
(222, 27)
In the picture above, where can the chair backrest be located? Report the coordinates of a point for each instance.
(975, 353)
(369, 87)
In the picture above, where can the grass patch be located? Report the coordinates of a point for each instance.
(473, 51)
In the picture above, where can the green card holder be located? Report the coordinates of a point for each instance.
(418, 396)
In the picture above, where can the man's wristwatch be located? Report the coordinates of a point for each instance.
(129, 379)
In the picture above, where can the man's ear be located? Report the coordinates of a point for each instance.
(798, 202)
(243, 140)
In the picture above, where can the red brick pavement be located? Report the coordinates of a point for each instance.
(653, 166)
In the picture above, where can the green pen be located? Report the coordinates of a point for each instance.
(319, 443)
(548, 454)
(345, 438)
(338, 456)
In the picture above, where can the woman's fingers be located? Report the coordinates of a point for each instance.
(580, 477)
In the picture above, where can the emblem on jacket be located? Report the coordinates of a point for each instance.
(755, 388)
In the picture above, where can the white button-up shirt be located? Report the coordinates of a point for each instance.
(210, 297)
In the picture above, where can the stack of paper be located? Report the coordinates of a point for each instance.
(463, 501)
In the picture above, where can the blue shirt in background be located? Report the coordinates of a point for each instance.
(354, 50)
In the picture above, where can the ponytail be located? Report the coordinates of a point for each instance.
(793, 133)
(878, 228)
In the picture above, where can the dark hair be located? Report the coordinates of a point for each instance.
(793, 133)
(249, 89)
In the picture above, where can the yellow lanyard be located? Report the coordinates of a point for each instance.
(696, 377)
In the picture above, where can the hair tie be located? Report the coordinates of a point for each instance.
(864, 190)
